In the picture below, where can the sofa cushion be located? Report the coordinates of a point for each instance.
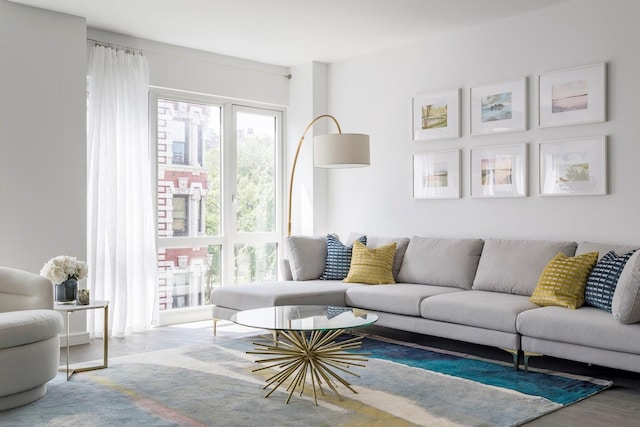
(268, 294)
(21, 327)
(401, 298)
(307, 256)
(626, 298)
(586, 326)
(371, 266)
(377, 241)
(441, 262)
(338, 258)
(603, 248)
(603, 279)
(489, 310)
(563, 280)
(514, 266)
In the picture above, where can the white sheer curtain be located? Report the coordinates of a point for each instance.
(122, 253)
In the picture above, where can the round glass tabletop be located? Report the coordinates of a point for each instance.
(304, 318)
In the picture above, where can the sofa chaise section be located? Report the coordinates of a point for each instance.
(228, 300)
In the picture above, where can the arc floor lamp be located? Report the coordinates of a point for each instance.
(333, 150)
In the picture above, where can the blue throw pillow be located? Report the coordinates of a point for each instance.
(338, 258)
(603, 280)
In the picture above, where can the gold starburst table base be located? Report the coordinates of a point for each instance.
(316, 355)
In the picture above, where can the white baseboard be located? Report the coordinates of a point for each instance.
(75, 338)
(185, 315)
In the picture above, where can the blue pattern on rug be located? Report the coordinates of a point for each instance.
(214, 384)
(557, 388)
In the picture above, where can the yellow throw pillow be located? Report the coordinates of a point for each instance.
(371, 266)
(563, 280)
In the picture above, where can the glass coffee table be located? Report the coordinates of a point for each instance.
(305, 343)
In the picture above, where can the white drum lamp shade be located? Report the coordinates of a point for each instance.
(341, 150)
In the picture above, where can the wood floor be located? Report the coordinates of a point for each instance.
(617, 406)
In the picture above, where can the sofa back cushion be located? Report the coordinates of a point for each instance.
(377, 241)
(307, 256)
(24, 290)
(441, 262)
(626, 298)
(603, 248)
(514, 266)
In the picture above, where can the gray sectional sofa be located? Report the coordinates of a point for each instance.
(470, 290)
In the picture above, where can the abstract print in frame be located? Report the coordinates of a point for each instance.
(572, 96)
(436, 116)
(499, 107)
(436, 175)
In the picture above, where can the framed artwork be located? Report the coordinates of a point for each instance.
(573, 167)
(436, 116)
(572, 96)
(436, 175)
(499, 107)
(499, 171)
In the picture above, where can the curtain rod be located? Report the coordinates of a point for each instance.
(141, 52)
(116, 46)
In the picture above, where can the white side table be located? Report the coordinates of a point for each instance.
(71, 308)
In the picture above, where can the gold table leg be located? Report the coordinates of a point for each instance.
(105, 352)
(297, 355)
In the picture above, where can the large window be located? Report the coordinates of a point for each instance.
(218, 198)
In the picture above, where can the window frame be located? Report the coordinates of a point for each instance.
(228, 236)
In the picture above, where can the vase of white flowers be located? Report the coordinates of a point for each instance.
(64, 272)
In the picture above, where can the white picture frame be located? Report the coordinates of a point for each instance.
(499, 171)
(573, 167)
(499, 107)
(573, 96)
(436, 175)
(436, 116)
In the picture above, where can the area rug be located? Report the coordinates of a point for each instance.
(213, 385)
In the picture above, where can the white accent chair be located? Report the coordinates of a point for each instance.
(29, 343)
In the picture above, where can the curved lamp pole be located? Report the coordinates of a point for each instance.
(341, 150)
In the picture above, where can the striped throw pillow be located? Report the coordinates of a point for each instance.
(603, 280)
(338, 258)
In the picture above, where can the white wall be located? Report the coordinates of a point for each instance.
(372, 94)
(307, 100)
(190, 70)
(43, 186)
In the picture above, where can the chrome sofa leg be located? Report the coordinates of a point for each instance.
(215, 324)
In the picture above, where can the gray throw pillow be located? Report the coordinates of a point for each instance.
(307, 256)
(626, 298)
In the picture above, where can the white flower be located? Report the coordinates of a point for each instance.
(62, 268)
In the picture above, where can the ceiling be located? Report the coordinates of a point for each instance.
(288, 32)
